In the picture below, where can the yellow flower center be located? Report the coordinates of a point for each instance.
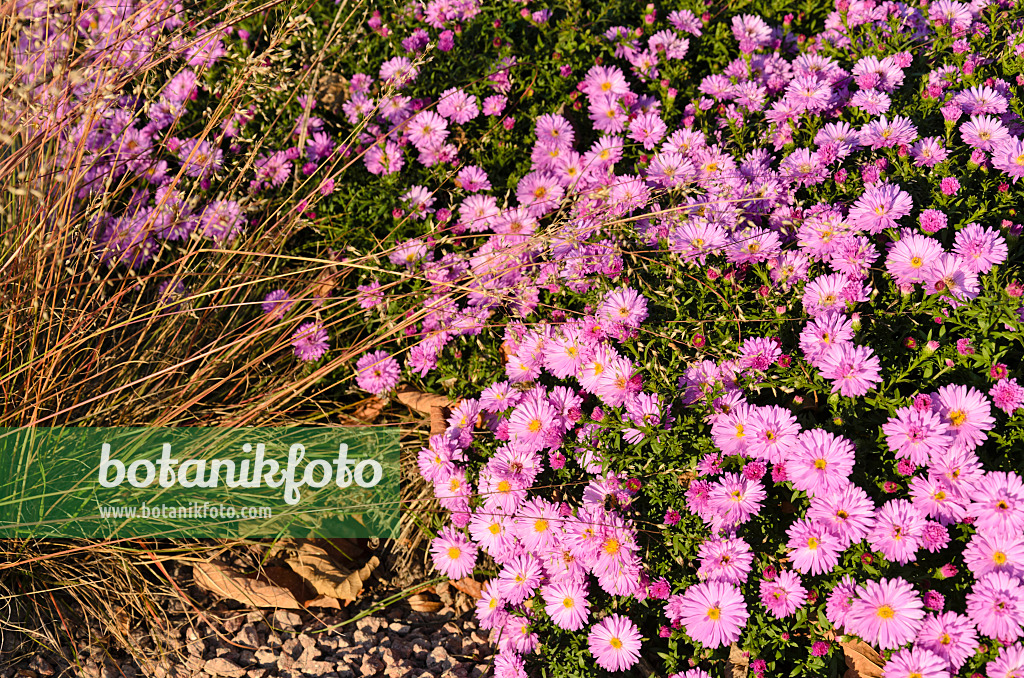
(616, 643)
(739, 430)
(916, 262)
(454, 552)
(504, 486)
(714, 613)
(611, 547)
(812, 543)
(495, 528)
(999, 557)
(820, 464)
(540, 525)
(534, 426)
(958, 417)
(886, 612)
(567, 603)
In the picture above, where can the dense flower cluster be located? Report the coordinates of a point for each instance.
(826, 213)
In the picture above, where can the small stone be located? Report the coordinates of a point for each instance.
(371, 624)
(287, 619)
(400, 628)
(291, 646)
(285, 662)
(266, 657)
(274, 641)
(248, 635)
(438, 659)
(233, 623)
(345, 672)
(223, 667)
(41, 666)
(372, 666)
(362, 637)
(256, 673)
(316, 668)
(329, 643)
(91, 669)
(452, 628)
(480, 637)
(255, 617)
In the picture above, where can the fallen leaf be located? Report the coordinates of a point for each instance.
(324, 601)
(228, 583)
(471, 587)
(862, 660)
(422, 602)
(421, 402)
(438, 420)
(369, 409)
(328, 579)
(736, 666)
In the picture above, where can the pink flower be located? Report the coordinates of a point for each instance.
(713, 613)
(615, 643)
(886, 613)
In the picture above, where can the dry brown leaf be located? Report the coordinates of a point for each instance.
(736, 666)
(324, 601)
(423, 602)
(227, 583)
(328, 579)
(369, 409)
(862, 660)
(438, 420)
(421, 402)
(471, 587)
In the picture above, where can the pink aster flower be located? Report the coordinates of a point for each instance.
(310, 341)
(377, 372)
(980, 248)
(625, 305)
(853, 370)
(993, 551)
(849, 512)
(880, 207)
(983, 132)
(725, 559)
(453, 553)
(840, 602)
(911, 257)
(615, 643)
(1007, 395)
(783, 594)
(998, 502)
(1008, 157)
(1008, 664)
(950, 276)
(567, 604)
(773, 432)
(713, 613)
(820, 463)
(898, 531)
(996, 606)
(886, 613)
(967, 413)
(915, 662)
(520, 578)
(815, 547)
(917, 435)
(949, 635)
(735, 499)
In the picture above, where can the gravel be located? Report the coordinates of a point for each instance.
(395, 642)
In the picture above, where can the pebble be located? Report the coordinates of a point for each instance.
(400, 628)
(287, 619)
(248, 635)
(223, 667)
